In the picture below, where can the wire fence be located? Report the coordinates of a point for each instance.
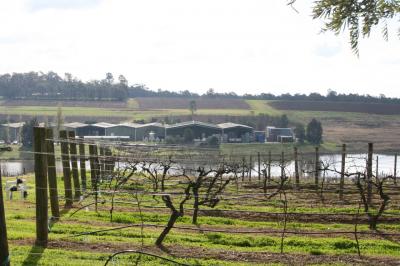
(150, 178)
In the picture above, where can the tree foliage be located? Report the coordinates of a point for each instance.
(188, 135)
(50, 86)
(300, 133)
(358, 16)
(27, 132)
(192, 107)
(283, 121)
(314, 132)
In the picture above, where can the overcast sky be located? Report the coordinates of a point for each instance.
(245, 46)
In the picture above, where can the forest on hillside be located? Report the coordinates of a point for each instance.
(51, 86)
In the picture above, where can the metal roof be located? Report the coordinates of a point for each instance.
(190, 123)
(14, 125)
(106, 137)
(232, 125)
(75, 125)
(281, 131)
(128, 124)
(155, 124)
(103, 125)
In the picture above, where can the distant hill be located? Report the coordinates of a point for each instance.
(183, 103)
(356, 107)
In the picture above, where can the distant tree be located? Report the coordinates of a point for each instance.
(212, 141)
(122, 80)
(283, 121)
(188, 135)
(314, 132)
(59, 120)
(210, 93)
(7, 131)
(109, 78)
(331, 95)
(300, 133)
(20, 130)
(192, 107)
(27, 132)
(68, 77)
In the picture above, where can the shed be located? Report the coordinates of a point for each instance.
(275, 134)
(74, 126)
(98, 129)
(12, 130)
(143, 131)
(124, 129)
(232, 132)
(200, 130)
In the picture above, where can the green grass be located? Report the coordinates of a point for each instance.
(262, 107)
(20, 216)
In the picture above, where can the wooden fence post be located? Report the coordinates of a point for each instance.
(269, 167)
(66, 169)
(39, 148)
(94, 171)
(342, 170)
(97, 164)
(74, 164)
(250, 166)
(369, 172)
(243, 165)
(259, 165)
(109, 163)
(296, 167)
(4, 253)
(282, 164)
(82, 164)
(395, 169)
(102, 162)
(317, 166)
(52, 175)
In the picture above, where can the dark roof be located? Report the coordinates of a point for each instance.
(281, 131)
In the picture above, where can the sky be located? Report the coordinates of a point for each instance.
(244, 46)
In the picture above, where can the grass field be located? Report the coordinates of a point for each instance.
(199, 245)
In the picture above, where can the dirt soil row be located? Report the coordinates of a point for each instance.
(178, 251)
(183, 103)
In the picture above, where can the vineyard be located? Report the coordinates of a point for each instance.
(356, 107)
(117, 204)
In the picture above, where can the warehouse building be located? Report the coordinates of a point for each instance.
(150, 132)
(232, 132)
(98, 129)
(157, 132)
(11, 131)
(200, 130)
(275, 134)
(125, 130)
(74, 126)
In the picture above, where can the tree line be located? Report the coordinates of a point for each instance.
(51, 86)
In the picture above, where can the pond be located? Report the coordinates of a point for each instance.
(354, 162)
